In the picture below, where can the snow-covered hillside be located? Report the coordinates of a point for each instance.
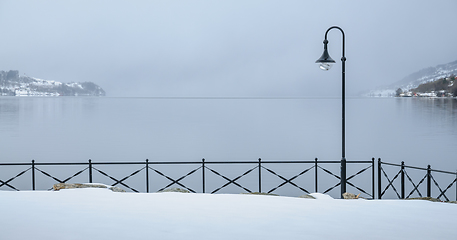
(428, 75)
(415, 79)
(11, 84)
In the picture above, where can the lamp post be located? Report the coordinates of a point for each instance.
(325, 63)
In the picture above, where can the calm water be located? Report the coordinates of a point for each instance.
(417, 131)
(66, 129)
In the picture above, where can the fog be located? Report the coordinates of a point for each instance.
(230, 48)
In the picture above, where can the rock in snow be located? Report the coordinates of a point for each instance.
(59, 186)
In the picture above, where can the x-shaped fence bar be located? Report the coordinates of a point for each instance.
(390, 183)
(6, 183)
(288, 180)
(173, 181)
(416, 187)
(231, 181)
(347, 180)
(358, 188)
(442, 193)
(58, 180)
(428, 179)
(116, 181)
(332, 174)
(447, 188)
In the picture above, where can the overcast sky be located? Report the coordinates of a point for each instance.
(224, 48)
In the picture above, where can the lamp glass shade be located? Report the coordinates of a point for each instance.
(325, 66)
(325, 61)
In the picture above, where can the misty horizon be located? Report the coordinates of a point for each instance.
(236, 48)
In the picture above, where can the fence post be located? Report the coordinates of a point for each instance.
(315, 175)
(429, 183)
(33, 175)
(90, 171)
(372, 177)
(260, 175)
(147, 175)
(402, 179)
(379, 178)
(203, 174)
(343, 177)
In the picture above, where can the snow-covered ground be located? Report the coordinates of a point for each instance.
(102, 214)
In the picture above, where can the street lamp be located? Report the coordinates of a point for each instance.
(325, 63)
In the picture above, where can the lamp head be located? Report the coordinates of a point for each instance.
(325, 61)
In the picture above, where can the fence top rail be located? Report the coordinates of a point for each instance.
(419, 168)
(15, 164)
(177, 162)
(441, 171)
(36, 164)
(406, 166)
(285, 161)
(149, 162)
(391, 164)
(349, 161)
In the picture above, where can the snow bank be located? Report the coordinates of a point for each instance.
(93, 213)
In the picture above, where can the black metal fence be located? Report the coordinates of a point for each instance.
(401, 181)
(250, 176)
